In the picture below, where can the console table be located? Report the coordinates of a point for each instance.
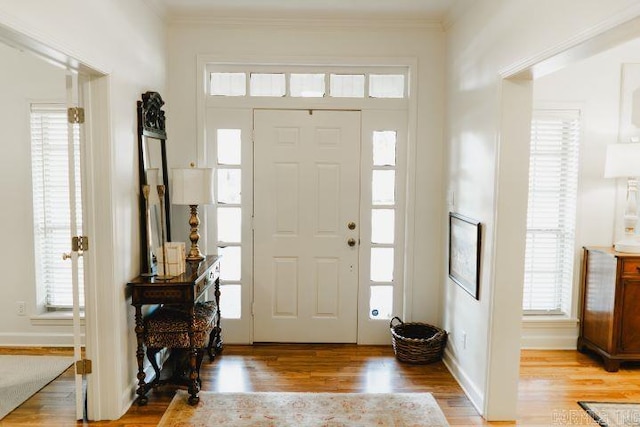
(185, 289)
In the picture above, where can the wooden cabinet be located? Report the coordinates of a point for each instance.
(610, 321)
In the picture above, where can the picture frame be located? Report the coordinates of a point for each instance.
(465, 239)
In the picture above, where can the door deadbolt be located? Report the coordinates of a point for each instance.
(351, 242)
(351, 225)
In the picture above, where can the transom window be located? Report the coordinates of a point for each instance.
(311, 83)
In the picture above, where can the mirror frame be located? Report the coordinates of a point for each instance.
(151, 125)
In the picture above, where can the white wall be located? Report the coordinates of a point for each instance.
(125, 40)
(593, 85)
(487, 171)
(291, 38)
(23, 79)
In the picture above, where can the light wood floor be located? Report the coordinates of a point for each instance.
(551, 383)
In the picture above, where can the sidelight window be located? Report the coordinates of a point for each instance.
(383, 223)
(229, 220)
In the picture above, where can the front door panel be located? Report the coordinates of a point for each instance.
(306, 192)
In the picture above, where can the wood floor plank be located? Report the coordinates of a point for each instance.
(551, 383)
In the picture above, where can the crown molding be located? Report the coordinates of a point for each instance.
(158, 7)
(612, 31)
(225, 18)
(457, 10)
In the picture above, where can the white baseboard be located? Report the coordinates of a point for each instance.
(470, 389)
(34, 339)
(549, 334)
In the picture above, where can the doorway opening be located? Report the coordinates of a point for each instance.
(362, 111)
(66, 81)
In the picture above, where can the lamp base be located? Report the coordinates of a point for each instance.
(631, 246)
(194, 254)
(193, 258)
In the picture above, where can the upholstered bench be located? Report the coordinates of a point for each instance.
(168, 327)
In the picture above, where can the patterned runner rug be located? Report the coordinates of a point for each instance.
(304, 410)
(611, 414)
(23, 376)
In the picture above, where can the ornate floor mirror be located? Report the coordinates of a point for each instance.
(155, 224)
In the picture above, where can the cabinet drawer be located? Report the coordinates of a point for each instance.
(160, 295)
(203, 284)
(631, 267)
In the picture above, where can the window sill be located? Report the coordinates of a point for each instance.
(546, 321)
(55, 318)
(549, 332)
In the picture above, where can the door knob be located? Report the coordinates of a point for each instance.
(351, 225)
(351, 242)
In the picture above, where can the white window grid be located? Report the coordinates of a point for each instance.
(551, 219)
(378, 245)
(52, 224)
(221, 244)
(213, 70)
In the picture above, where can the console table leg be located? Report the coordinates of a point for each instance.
(194, 386)
(217, 343)
(142, 387)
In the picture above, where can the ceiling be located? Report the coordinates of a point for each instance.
(430, 9)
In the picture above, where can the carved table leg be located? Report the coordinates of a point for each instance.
(194, 386)
(142, 387)
(217, 343)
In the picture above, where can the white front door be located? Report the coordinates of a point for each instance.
(306, 231)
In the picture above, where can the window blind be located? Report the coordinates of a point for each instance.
(50, 180)
(553, 187)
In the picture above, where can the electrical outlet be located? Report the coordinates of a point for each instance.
(21, 308)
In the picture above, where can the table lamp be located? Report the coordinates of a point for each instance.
(623, 161)
(193, 187)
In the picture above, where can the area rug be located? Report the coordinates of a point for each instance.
(612, 414)
(23, 376)
(304, 410)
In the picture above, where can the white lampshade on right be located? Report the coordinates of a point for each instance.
(623, 161)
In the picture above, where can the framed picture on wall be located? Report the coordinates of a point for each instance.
(464, 252)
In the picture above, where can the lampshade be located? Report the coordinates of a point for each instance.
(192, 186)
(623, 160)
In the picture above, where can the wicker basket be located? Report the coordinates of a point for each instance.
(417, 342)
